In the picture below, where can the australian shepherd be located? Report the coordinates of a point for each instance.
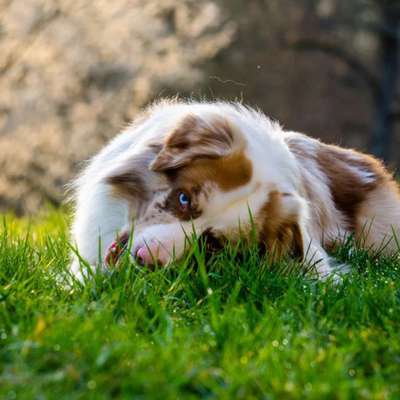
(224, 169)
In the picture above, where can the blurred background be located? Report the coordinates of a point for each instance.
(74, 72)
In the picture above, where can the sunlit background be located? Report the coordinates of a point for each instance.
(74, 72)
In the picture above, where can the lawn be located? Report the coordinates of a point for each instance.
(225, 327)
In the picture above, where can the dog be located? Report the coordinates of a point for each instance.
(222, 168)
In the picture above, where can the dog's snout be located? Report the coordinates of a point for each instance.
(151, 254)
(144, 257)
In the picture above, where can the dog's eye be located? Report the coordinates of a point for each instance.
(184, 200)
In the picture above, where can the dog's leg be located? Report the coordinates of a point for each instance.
(287, 231)
(319, 263)
(314, 256)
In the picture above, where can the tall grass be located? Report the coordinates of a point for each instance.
(223, 326)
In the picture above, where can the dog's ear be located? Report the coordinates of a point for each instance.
(210, 136)
(127, 182)
(131, 177)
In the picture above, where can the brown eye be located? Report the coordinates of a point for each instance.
(184, 201)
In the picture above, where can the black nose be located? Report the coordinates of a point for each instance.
(146, 261)
(139, 259)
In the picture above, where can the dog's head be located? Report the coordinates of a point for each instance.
(208, 174)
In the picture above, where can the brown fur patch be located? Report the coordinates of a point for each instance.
(204, 150)
(228, 172)
(193, 138)
(279, 234)
(344, 169)
(195, 131)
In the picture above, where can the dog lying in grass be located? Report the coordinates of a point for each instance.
(224, 169)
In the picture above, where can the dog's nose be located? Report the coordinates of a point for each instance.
(153, 253)
(144, 256)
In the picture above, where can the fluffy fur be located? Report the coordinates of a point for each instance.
(227, 159)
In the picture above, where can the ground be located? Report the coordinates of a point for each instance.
(226, 327)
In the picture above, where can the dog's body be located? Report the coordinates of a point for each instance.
(222, 168)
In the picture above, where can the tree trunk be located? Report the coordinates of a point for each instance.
(382, 137)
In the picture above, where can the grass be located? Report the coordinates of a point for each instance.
(224, 328)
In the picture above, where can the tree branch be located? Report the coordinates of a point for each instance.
(355, 24)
